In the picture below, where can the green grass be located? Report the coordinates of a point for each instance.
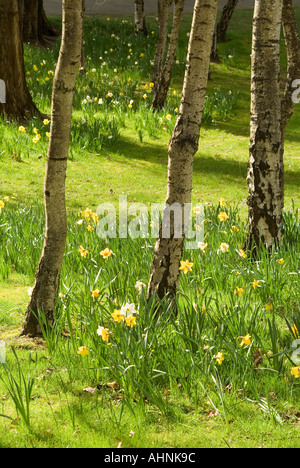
(170, 389)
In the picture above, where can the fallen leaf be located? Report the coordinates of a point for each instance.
(91, 390)
(113, 385)
(212, 413)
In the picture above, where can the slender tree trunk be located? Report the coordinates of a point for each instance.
(163, 18)
(184, 142)
(19, 105)
(83, 60)
(165, 77)
(227, 13)
(214, 56)
(48, 272)
(265, 194)
(139, 17)
(292, 42)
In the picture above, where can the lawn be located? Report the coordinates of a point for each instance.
(221, 372)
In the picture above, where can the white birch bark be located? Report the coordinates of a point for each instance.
(264, 201)
(184, 142)
(49, 268)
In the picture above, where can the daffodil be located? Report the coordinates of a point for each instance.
(106, 253)
(281, 261)
(22, 129)
(219, 358)
(139, 285)
(96, 293)
(83, 351)
(255, 284)
(224, 247)
(128, 309)
(186, 266)
(46, 122)
(83, 252)
(223, 216)
(269, 307)
(222, 202)
(245, 340)
(238, 291)
(295, 371)
(130, 321)
(168, 117)
(117, 316)
(104, 333)
(242, 253)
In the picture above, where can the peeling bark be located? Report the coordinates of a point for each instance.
(48, 272)
(265, 196)
(184, 142)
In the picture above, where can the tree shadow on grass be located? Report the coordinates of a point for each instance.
(207, 164)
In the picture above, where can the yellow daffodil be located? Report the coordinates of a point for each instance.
(269, 307)
(219, 358)
(242, 253)
(295, 371)
(255, 284)
(223, 216)
(104, 333)
(245, 340)
(106, 253)
(46, 122)
(22, 129)
(90, 228)
(234, 229)
(130, 321)
(281, 261)
(83, 351)
(222, 202)
(83, 252)
(238, 291)
(117, 316)
(168, 117)
(96, 293)
(186, 266)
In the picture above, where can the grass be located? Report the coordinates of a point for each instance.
(159, 383)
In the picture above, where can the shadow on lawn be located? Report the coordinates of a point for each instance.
(157, 154)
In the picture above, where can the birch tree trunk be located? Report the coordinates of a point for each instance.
(164, 80)
(292, 43)
(48, 272)
(163, 18)
(139, 17)
(226, 16)
(164, 277)
(19, 105)
(265, 194)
